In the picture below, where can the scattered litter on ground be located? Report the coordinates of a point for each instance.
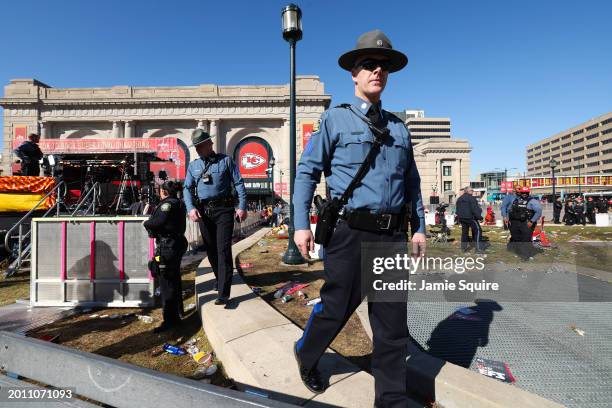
(93, 316)
(146, 319)
(203, 372)
(576, 330)
(281, 291)
(193, 350)
(262, 243)
(495, 369)
(203, 358)
(104, 316)
(263, 251)
(190, 307)
(313, 302)
(287, 298)
(296, 288)
(256, 289)
(246, 265)
(177, 351)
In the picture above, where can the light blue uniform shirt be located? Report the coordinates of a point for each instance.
(337, 150)
(533, 204)
(220, 167)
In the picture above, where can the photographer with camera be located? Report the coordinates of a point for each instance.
(29, 153)
(167, 225)
(209, 200)
(366, 155)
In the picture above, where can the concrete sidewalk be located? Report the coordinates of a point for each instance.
(255, 342)
(453, 386)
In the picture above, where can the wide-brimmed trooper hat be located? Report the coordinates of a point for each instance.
(374, 43)
(199, 136)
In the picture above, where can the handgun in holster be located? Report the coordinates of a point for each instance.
(328, 214)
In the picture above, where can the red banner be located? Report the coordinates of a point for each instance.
(506, 187)
(20, 133)
(67, 146)
(278, 187)
(307, 129)
(253, 160)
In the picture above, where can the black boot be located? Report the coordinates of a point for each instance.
(311, 378)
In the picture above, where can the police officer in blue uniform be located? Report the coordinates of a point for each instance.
(209, 200)
(522, 212)
(29, 153)
(336, 150)
(167, 225)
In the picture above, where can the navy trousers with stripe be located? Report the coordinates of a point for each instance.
(340, 296)
(466, 226)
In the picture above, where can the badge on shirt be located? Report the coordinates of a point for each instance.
(165, 207)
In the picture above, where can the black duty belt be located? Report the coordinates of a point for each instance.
(367, 221)
(217, 202)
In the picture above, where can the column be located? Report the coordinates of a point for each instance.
(129, 129)
(214, 133)
(460, 173)
(115, 133)
(439, 184)
(204, 125)
(45, 128)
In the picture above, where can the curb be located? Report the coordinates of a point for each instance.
(255, 342)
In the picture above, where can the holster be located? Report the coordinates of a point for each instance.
(328, 214)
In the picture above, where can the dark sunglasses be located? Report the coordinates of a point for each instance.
(372, 64)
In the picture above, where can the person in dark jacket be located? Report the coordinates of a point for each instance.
(29, 153)
(557, 206)
(167, 225)
(469, 214)
(590, 210)
(579, 209)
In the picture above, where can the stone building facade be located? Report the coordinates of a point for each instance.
(69, 119)
(233, 114)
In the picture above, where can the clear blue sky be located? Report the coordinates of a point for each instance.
(506, 73)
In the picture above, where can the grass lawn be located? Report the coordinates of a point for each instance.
(131, 340)
(268, 273)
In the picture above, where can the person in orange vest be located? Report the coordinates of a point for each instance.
(490, 217)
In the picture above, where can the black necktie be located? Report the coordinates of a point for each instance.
(374, 114)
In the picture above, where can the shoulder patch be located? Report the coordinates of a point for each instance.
(165, 207)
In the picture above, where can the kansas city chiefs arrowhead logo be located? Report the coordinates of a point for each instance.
(252, 160)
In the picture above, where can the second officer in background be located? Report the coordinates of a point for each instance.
(209, 200)
(523, 213)
(167, 225)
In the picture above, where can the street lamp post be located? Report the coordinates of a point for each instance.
(291, 17)
(271, 164)
(553, 164)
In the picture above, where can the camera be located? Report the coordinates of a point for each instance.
(206, 179)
